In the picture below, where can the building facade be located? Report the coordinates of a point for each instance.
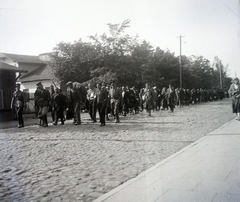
(31, 70)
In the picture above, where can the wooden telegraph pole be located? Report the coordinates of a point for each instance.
(180, 61)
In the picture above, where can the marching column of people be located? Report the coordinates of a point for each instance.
(111, 101)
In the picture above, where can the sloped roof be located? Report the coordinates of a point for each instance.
(5, 66)
(24, 58)
(43, 72)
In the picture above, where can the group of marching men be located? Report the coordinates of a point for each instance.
(107, 100)
(110, 100)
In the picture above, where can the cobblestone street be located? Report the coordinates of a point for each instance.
(80, 163)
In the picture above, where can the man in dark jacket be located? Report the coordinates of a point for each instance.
(171, 97)
(76, 104)
(59, 105)
(102, 97)
(43, 103)
(18, 102)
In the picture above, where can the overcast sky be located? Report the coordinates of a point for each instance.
(210, 27)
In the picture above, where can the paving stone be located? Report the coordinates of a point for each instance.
(90, 160)
(6, 170)
(112, 184)
(95, 194)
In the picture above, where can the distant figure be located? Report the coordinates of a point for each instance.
(171, 97)
(125, 101)
(70, 107)
(36, 98)
(43, 103)
(76, 104)
(234, 92)
(115, 96)
(102, 98)
(51, 108)
(92, 101)
(141, 99)
(59, 105)
(18, 102)
(148, 98)
(164, 104)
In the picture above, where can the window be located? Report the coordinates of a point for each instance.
(1, 99)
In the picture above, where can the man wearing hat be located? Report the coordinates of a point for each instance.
(43, 103)
(37, 94)
(59, 104)
(18, 102)
(102, 97)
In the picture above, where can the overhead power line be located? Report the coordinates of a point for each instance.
(231, 9)
(12, 9)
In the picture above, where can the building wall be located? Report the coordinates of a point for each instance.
(29, 67)
(7, 84)
(31, 85)
(29, 88)
(7, 87)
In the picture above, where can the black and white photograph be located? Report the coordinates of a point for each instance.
(119, 101)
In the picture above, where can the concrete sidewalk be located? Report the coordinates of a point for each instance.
(207, 170)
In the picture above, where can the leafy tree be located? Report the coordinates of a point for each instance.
(115, 52)
(71, 62)
(200, 71)
(165, 67)
(116, 56)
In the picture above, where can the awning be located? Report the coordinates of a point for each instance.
(7, 67)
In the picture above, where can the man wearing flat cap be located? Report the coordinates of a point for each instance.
(18, 102)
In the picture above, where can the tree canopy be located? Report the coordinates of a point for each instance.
(116, 56)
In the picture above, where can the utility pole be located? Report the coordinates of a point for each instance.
(218, 65)
(180, 61)
(220, 72)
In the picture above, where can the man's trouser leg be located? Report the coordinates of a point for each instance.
(116, 110)
(77, 113)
